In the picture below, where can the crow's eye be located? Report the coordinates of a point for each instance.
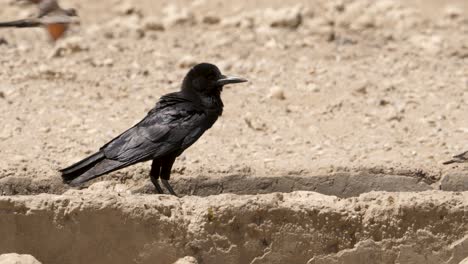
(211, 76)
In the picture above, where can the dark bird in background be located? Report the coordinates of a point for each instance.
(52, 17)
(174, 124)
(460, 158)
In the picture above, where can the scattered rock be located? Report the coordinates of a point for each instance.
(461, 52)
(364, 21)
(46, 72)
(430, 44)
(103, 62)
(271, 44)
(187, 62)
(3, 41)
(24, 47)
(177, 16)
(240, 21)
(124, 27)
(187, 260)
(152, 24)
(284, 18)
(454, 182)
(465, 261)
(313, 88)
(13, 258)
(277, 93)
(211, 20)
(362, 250)
(227, 66)
(453, 12)
(127, 8)
(101, 186)
(69, 46)
(265, 20)
(255, 123)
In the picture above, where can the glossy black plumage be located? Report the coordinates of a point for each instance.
(173, 125)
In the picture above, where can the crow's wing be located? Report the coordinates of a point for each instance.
(171, 126)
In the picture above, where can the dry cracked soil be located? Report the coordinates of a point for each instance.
(331, 153)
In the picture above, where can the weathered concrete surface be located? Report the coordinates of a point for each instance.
(346, 183)
(456, 181)
(299, 227)
(342, 184)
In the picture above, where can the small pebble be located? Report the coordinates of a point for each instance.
(211, 20)
(152, 24)
(177, 16)
(187, 62)
(277, 93)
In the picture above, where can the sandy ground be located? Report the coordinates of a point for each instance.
(345, 97)
(365, 84)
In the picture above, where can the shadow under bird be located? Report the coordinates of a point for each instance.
(51, 16)
(174, 124)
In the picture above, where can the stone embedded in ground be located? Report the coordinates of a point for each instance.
(3, 41)
(13, 258)
(284, 18)
(453, 11)
(465, 261)
(187, 62)
(432, 45)
(175, 15)
(69, 46)
(128, 8)
(187, 260)
(124, 27)
(152, 24)
(454, 182)
(277, 93)
(211, 20)
(240, 21)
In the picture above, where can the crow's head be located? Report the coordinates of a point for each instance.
(207, 79)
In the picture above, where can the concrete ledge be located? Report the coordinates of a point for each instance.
(300, 227)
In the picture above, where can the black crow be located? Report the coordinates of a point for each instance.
(173, 125)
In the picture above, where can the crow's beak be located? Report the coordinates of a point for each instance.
(229, 79)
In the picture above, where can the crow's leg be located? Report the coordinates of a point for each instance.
(157, 186)
(168, 187)
(166, 173)
(154, 175)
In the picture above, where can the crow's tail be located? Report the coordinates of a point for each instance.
(89, 168)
